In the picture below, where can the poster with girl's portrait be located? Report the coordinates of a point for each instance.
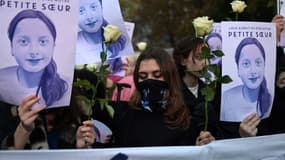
(94, 15)
(214, 41)
(250, 58)
(38, 40)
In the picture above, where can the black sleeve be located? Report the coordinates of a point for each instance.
(199, 117)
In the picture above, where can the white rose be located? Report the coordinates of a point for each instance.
(79, 66)
(238, 6)
(111, 33)
(141, 46)
(202, 25)
(92, 67)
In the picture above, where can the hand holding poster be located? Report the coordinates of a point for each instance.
(250, 54)
(281, 11)
(35, 59)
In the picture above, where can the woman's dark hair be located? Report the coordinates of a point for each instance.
(264, 97)
(177, 114)
(183, 49)
(85, 74)
(51, 85)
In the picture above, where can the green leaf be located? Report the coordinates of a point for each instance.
(94, 90)
(226, 79)
(103, 56)
(212, 84)
(82, 84)
(206, 53)
(104, 68)
(218, 53)
(83, 98)
(104, 104)
(206, 74)
(110, 110)
(101, 102)
(208, 93)
(214, 69)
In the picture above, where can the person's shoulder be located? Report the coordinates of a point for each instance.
(233, 91)
(7, 72)
(8, 69)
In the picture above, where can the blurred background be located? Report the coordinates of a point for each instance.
(163, 22)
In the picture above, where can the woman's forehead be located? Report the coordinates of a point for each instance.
(148, 65)
(250, 50)
(31, 25)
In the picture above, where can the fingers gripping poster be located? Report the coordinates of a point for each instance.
(38, 43)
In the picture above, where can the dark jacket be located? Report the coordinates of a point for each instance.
(140, 127)
(277, 116)
(197, 110)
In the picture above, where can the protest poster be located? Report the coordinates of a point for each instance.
(38, 42)
(94, 15)
(250, 60)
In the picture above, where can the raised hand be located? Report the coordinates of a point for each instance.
(27, 117)
(85, 135)
(27, 114)
(278, 19)
(248, 127)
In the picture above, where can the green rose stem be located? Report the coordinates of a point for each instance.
(85, 84)
(206, 116)
(236, 16)
(205, 96)
(111, 34)
(211, 73)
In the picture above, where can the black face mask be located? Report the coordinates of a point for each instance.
(153, 95)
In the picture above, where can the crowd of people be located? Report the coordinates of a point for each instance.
(159, 104)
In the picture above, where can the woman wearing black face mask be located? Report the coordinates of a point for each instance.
(156, 114)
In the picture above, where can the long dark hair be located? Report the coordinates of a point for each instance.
(177, 114)
(264, 97)
(51, 85)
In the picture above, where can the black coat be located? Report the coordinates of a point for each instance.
(197, 110)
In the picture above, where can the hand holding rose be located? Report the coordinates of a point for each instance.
(85, 135)
(205, 137)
